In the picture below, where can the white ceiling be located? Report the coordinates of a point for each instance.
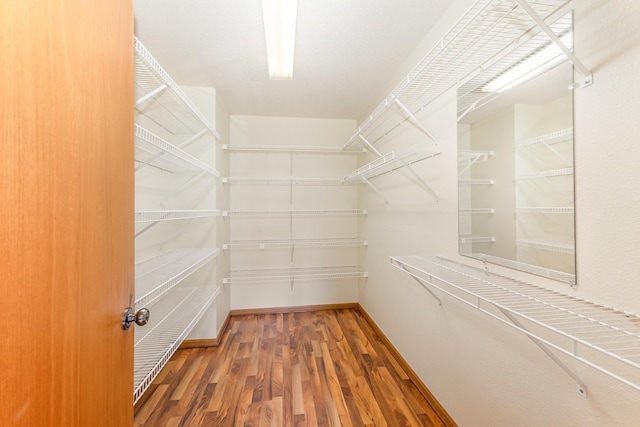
(346, 51)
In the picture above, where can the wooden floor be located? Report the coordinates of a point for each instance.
(323, 368)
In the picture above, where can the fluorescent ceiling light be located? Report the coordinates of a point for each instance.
(540, 61)
(280, 32)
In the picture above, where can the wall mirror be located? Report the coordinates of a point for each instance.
(515, 160)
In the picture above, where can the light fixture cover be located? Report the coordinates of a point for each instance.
(280, 33)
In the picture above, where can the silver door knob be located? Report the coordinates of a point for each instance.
(141, 317)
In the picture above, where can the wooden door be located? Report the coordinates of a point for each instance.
(66, 212)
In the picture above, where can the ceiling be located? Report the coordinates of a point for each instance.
(346, 51)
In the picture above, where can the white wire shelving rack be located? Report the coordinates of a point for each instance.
(283, 181)
(294, 274)
(159, 275)
(292, 149)
(546, 210)
(159, 98)
(548, 245)
(604, 338)
(285, 213)
(153, 216)
(293, 243)
(528, 268)
(563, 135)
(169, 324)
(150, 149)
(390, 162)
(168, 129)
(484, 87)
(488, 31)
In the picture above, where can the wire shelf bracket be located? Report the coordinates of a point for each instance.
(601, 337)
(587, 76)
(391, 162)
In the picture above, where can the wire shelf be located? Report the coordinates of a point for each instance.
(560, 276)
(602, 337)
(489, 28)
(478, 91)
(294, 243)
(548, 245)
(388, 163)
(157, 276)
(293, 212)
(162, 100)
(300, 149)
(282, 181)
(546, 174)
(294, 274)
(153, 150)
(172, 215)
(170, 322)
(546, 210)
(550, 138)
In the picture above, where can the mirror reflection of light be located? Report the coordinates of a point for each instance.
(540, 61)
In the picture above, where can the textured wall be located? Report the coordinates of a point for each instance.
(483, 373)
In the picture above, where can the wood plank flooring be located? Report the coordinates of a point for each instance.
(323, 368)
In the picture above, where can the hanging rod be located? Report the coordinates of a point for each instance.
(546, 174)
(604, 338)
(550, 138)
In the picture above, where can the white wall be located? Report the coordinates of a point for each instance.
(483, 373)
(255, 130)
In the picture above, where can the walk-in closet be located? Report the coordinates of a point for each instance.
(285, 212)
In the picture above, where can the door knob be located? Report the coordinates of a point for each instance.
(141, 317)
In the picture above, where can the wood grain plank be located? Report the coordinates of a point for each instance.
(324, 368)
